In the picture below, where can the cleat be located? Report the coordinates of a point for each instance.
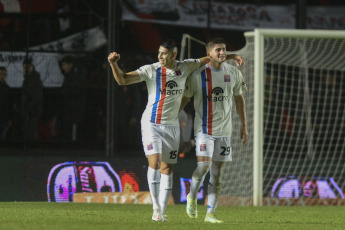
(192, 207)
(164, 218)
(211, 218)
(156, 216)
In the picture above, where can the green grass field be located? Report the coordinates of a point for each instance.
(42, 215)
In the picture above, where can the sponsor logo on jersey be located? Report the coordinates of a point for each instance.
(169, 89)
(217, 90)
(217, 95)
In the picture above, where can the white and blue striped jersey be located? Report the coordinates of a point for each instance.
(165, 90)
(213, 91)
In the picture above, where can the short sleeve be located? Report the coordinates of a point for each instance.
(240, 85)
(144, 72)
(193, 64)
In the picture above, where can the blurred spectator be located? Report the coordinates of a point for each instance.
(32, 100)
(98, 74)
(5, 104)
(64, 9)
(96, 102)
(73, 92)
(131, 105)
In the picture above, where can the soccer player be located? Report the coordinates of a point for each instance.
(165, 82)
(213, 87)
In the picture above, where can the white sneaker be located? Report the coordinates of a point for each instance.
(156, 216)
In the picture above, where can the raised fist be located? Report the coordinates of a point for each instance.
(113, 57)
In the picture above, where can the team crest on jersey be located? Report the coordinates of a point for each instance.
(226, 78)
(203, 147)
(178, 72)
(149, 146)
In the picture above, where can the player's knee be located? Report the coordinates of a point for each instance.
(166, 169)
(201, 170)
(204, 166)
(154, 161)
(154, 165)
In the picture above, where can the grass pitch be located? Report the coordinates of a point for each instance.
(49, 216)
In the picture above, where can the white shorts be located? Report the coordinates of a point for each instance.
(217, 148)
(164, 139)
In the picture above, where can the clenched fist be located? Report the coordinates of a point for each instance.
(113, 57)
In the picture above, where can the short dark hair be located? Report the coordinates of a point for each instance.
(27, 61)
(169, 44)
(214, 41)
(68, 59)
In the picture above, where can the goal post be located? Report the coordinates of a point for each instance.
(186, 43)
(258, 118)
(295, 103)
(304, 59)
(259, 74)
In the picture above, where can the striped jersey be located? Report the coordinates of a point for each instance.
(165, 90)
(213, 91)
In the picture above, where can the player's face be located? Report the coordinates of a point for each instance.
(165, 57)
(218, 53)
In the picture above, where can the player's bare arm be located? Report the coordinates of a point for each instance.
(184, 102)
(241, 110)
(121, 77)
(238, 59)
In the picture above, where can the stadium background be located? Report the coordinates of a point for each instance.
(110, 126)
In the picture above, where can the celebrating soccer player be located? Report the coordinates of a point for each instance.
(213, 86)
(165, 82)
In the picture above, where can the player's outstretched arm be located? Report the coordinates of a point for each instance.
(237, 58)
(121, 77)
(204, 60)
(241, 110)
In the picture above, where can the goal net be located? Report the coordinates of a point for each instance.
(296, 121)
